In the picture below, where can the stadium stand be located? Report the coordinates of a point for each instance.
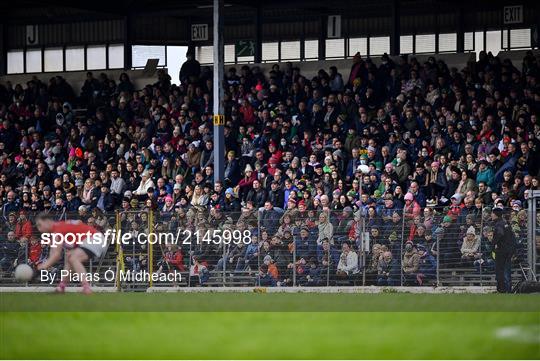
(442, 145)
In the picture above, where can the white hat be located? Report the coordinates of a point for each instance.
(362, 168)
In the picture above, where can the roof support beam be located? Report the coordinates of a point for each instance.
(460, 29)
(322, 37)
(3, 49)
(396, 28)
(128, 61)
(258, 33)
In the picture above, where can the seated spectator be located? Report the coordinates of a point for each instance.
(327, 257)
(9, 251)
(427, 270)
(23, 229)
(411, 208)
(376, 253)
(198, 272)
(172, 260)
(348, 262)
(326, 230)
(410, 264)
(269, 218)
(264, 278)
(311, 275)
(250, 257)
(484, 261)
(470, 246)
(305, 245)
(35, 250)
(272, 269)
(230, 258)
(388, 272)
(145, 184)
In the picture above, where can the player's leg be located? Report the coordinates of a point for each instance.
(61, 288)
(77, 257)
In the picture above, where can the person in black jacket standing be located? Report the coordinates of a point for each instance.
(191, 69)
(504, 245)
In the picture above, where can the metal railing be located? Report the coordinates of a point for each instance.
(448, 246)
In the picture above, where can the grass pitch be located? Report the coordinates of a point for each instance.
(269, 326)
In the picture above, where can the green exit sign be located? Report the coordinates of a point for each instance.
(244, 48)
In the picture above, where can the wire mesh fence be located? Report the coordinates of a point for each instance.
(21, 242)
(270, 247)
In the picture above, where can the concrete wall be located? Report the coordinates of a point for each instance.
(308, 68)
(516, 56)
(77, 78)
(459, 61)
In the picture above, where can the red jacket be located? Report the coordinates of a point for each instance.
(34, 253)
(176, 259)
(248, 182)
(248, 113)
(412, 210)
(23, 230)
(455, 211)
(352, 231)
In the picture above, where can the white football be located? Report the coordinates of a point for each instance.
(23, 273)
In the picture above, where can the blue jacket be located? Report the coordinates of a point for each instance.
(8, 208)
(485, 176)
(305, 248)
(266, 281)
(334, 256)
(287, 193)
(251, 251)
(428, 266)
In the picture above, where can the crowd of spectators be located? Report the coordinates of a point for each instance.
(413, 153)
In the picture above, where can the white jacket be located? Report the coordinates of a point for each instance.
(348, 263)
(143, 187)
